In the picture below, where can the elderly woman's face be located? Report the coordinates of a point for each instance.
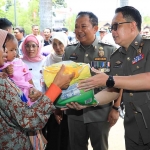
(58, 47)
(31, 49)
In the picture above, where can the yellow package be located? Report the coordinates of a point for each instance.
(72, 93)
(81, 70)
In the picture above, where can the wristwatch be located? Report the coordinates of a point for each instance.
(116, 108)
(110, 82)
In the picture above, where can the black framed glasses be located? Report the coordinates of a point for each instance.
(115, 26)
(32, 45)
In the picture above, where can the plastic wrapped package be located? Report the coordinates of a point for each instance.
(72, 93)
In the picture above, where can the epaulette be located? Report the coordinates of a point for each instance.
(73, 44)
(105, 43)
(115, 51)
(145, 37)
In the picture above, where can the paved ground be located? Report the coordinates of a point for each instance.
(116, 137)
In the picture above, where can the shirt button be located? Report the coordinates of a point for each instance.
(116, 74)
(128, 58)
(86, 55)
(131, 94)
(137, 67)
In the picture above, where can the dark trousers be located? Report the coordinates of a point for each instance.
(79, 133)
(57, 135)
(131, 145)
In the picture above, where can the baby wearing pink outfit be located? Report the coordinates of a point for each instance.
(21, 76)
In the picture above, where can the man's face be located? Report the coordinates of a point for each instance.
(102, 34)
(122, 35)
(84, 30)
(47, 33)
(35, 30)
(10, 29)
(18, 34)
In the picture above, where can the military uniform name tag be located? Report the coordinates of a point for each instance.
(73, 57)
(100, 59)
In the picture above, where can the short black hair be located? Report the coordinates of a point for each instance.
(9, 37)
(131, 14)
(93, 17)
(65, 30)
(5, 23)
(48, 29)
(20, 29)
(35, 25)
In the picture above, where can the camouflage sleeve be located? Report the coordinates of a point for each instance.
(17, 114)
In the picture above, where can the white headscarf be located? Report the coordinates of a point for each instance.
(62, 37)
(53, 57)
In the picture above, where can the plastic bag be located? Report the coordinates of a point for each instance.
(72, 93)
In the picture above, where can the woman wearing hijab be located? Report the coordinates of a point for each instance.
(56, 128)
(32, 57)
(16, 118)
(59, 42)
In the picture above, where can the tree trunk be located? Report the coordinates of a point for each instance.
(45, 13)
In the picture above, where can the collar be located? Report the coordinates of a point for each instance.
(135, 44)
(94, 44)
(21, 40)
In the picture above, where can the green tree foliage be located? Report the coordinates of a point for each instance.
(146, 21)
(8, 4)
(2, 8)
(70, 22)
(59, 3)
(26, 16)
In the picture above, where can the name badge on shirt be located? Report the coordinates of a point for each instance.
(73, 57)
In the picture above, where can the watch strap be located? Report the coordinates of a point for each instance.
(116, 108)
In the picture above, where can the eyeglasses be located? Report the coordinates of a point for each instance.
(115, 26)
(32, 45)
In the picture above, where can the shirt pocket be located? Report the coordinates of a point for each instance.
(138, 67)
(116, 72)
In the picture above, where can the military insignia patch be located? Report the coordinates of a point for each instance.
(101, 52)
(118, 64)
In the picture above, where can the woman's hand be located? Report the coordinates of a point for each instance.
(63, 80)
(34, 94)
